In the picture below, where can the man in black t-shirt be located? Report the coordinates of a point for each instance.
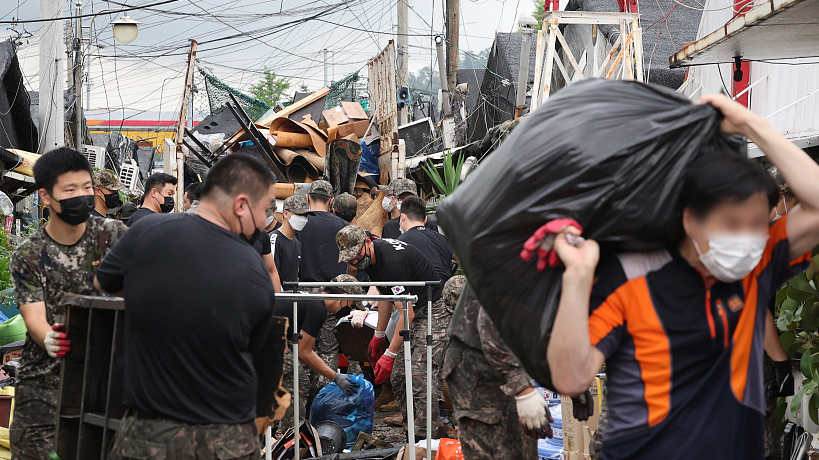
(200, 297)
(263, 247)
(319, 262)
(160, 189)
(285, 246)
(392, 260)
(431, 244)
(312, 315)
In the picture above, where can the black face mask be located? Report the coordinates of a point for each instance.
(75, 210)
(112, 200)
(167, 206)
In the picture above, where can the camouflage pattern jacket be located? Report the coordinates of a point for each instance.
(42, 270)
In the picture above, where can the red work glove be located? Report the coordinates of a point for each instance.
(376, 348)
(542, 242)
(56, 342)
(383, 368)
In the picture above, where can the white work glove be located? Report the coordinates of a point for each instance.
(534, 415)
(56, 342)
(357, 318)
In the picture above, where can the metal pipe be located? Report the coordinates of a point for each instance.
(320, 296)
(268, 443)
(296, 434)
(359, 283)
(523, 74)
(408, 387)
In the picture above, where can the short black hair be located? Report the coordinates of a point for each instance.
(239, 173)
(53, 164)
(723, 177)
(414, 208)
(193, 191)
(158, 181)
(321, 199)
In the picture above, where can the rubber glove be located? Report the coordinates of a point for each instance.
(583, 406)
(376, 348)
(56, 342)
(383, 368)
(534, 415)
(357, 318)
(782, 384)
(343, 381)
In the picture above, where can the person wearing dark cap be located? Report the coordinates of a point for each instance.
(393, 260)
(128, 210)
(106, 192)
(312, 314)
(398, 189)
(345, 206)
(286, 248)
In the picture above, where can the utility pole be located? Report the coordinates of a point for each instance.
(325, 68)
(453, 19)
(78, 68)
(52, 78)
(401, 40)
(180, 127)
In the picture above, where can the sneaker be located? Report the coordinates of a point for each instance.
(445, 420)
(395, 420)
(392, 406)
(383, 399)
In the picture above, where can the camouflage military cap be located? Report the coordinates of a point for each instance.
(400, 186)
(321, 187)
(352, 290)
(297, 204)
(106, 178)
(345, 204)
(349, 240)
(452, 290)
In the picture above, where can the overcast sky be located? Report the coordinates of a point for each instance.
(148, 74)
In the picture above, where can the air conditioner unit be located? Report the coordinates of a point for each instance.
(95, 155)
(129, 175)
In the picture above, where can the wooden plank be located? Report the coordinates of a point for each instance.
(638, 50)
(296, 106)
(569, 55)
(627, 60)
(538, 70)
(602, 70)
(550, 58)
(563, 70)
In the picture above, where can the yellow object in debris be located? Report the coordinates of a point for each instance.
(5, 445)
(26, 161)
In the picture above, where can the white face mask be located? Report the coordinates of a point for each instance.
(298, 222)
(401, 224)
(731, 257)
(777, 212)
(269, 221)
(385, 203)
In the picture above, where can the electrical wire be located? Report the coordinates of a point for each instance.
(27, 21)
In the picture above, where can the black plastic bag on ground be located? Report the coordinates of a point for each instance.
(611, 155)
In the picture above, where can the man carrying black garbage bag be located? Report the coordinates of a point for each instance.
(385, 260)
(198, 300)
(681, 329)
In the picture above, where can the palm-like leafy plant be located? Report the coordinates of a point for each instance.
(448, 182)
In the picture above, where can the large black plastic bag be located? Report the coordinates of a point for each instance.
(609, 154)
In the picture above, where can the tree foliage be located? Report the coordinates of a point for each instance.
(270, 88)
(538, 12)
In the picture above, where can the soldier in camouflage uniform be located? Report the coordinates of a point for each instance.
(345, 206)
(48, 264)
(483, 377)
(596, 442)
(399, 189)
(106, 192)
(184, 440)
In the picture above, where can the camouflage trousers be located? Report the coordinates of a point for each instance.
(143, 436)
(488, 425)
(32, 428)
(441, 316)
(304, 392)
(418, 345)
(326, 348)
(596, 443)
(773, 449)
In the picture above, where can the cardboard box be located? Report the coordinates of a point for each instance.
(359, 128)
(420, 453)
(574, 440)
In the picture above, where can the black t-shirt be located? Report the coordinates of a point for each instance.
(97, 214)
(199, 303)
(287, 254)
(392, 229)
(262, 243)
(319, 251)
(312, 314)
(434, 246)
(139, 214)
(398, 261)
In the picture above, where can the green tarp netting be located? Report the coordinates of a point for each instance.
(218, 95)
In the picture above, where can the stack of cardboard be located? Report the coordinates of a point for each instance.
(348, 118)
(577, 434)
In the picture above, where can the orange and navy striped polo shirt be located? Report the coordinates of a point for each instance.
(684, 362)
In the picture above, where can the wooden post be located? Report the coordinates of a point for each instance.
(546, 84)
(180, 127)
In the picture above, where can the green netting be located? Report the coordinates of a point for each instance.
(218, 96)
(344, 90)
